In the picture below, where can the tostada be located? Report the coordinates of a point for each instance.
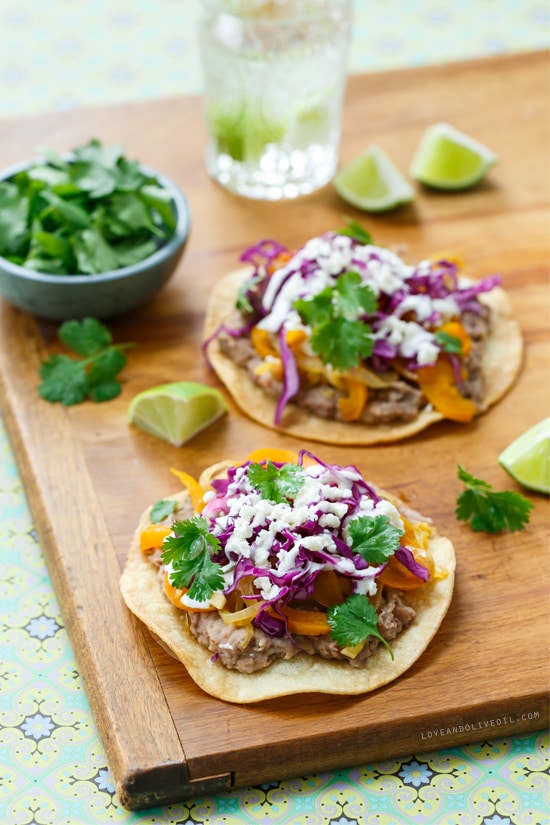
(284, 574)
(344, 342)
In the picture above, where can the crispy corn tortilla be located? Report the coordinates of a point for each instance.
(502, 360)
(304, 673)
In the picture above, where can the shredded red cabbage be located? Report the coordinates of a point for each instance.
(322, 260)
(287, 545)
(291, 383)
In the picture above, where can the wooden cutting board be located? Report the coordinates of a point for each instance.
(88, 475)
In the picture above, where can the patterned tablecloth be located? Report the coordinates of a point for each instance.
(53, 769)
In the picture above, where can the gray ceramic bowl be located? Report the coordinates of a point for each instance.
(64, 297)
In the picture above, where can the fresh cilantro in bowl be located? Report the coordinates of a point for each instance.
(91, 212)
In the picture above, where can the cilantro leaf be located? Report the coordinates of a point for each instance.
(342, 343)
(104, 390)
(353, 297)
(374, 537)
(63, 380)
(353, 621)
(162, 509)
(85, 337)
(356, 231)
(448, 343)
(277, 484)
(316, 310)
(70, 380)
(338, 335)
(489, 511)
(93, 213)
(105, 364)
(188, 551)
(243, 300)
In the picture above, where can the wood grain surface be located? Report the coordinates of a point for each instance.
(88, 475)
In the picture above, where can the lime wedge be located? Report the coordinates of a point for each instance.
(448, 159)
(527, 459)
(176, 412)
(371, 182)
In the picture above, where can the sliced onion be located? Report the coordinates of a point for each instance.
(242, 617)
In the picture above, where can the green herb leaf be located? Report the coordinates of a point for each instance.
(85, 337)
(338, 334)
(317, 310)
(188, 552)
(356, 231)
(353, 621)
(63, 380)
(70, 380)
(14, 211)
(104, 390)
(162, 509)
(489, 511)
(448, 343)
(277, 484)
(106, 364)
(243, 302)
(89, 215)
(342, 343)
(353, 297)
(374, 537)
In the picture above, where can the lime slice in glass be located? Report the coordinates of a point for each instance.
(527, 459)
(176, 412)
(448, 159)
(371, 182)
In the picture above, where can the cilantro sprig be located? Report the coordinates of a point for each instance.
(355, 231)
(353, 621)
(448, 343)
(374, 537)
(490, 511)
(70, 380)
(339, 335)
(277, 484)
(162, 509)
(189, 553)
(93, 213)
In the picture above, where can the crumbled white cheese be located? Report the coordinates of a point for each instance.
(386, 508)
(267, 589)
(257, 525)
(366, 586)
(384, 271)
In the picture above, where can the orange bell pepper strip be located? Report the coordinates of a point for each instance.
(274, 366)
(175, 593)
(396, 574)
(152, 536)
(416, 535)
(302, 622)
(438, 383)
(261, 341)
(351, 405)
(193, 488)
(295, 338)
(329, 588)
(281, 259)
(275, 454)
(456, 329)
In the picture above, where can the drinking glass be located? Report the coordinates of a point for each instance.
(274, 79)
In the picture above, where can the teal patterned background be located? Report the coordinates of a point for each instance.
(53, 770)
(61, 54)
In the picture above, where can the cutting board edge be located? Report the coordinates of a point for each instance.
(26, 424)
